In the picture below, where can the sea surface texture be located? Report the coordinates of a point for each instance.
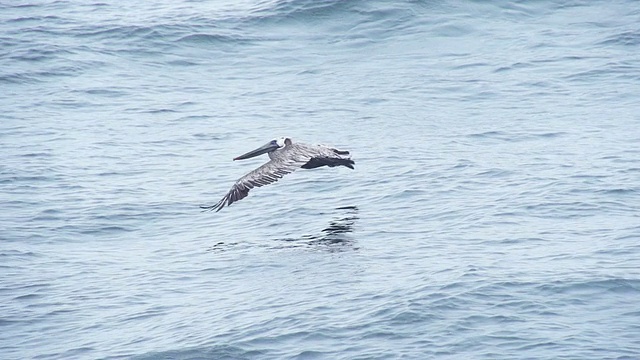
(493, 213)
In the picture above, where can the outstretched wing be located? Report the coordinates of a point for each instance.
(264, 175)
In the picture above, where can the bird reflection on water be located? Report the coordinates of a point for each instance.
(333, 238)
(336, 236)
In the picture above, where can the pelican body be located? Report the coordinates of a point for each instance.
(286, 157)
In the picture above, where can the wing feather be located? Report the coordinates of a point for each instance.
(264, 175)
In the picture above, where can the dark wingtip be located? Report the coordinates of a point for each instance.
(211, 208)
(217, 207)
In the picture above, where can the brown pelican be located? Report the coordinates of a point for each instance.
(286, 157)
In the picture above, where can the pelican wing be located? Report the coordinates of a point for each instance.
(264, 175)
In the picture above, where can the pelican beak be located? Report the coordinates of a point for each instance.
(259, 151)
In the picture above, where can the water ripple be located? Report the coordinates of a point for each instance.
(493, 209)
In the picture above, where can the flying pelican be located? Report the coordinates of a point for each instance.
(286, 157)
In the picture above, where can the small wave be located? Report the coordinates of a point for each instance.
(122, 32)
(514, 66)
(616, 285)
(18, 254)
(515, 137)
(27, 297)
(36, 155)
(103, 92)
(211, 39)
(110, 229)
(619, 191)
(21, 78)
(215, 352)
(159, 111)
(41, 53)
(183, 62)
(627, 38)
(34, 77)
(487, 134)
(28, 179)
(297, 9)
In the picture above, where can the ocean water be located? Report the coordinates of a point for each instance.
(494, 212)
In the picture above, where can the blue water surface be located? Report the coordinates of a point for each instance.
(494, 212)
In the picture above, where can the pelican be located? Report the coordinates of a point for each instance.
(286, 157)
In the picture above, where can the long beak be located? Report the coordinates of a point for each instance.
(259, 151)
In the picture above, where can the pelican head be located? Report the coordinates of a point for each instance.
(272, 145)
